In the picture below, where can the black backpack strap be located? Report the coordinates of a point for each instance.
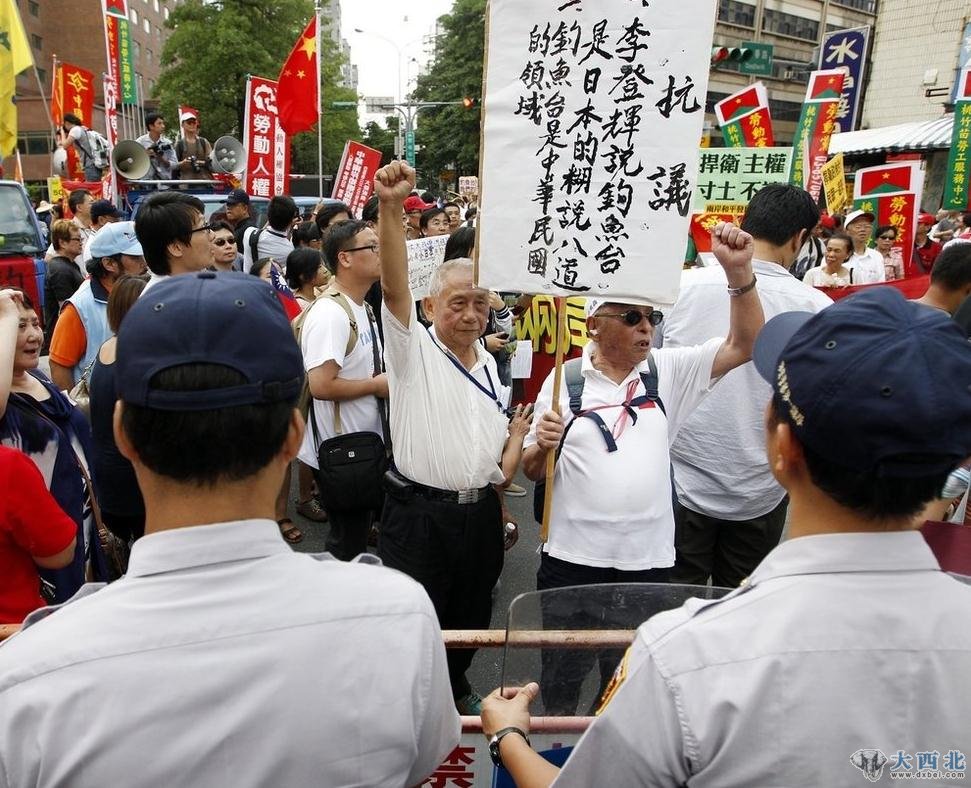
(574, 387)
(649, 379)
(254, 240)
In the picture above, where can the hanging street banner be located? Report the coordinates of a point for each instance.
(355, 175)
(892, 193)
(729, 177)
(834, 184)
(745, 120)
(964, 59)
(816, 125)
(267, 148)
(593, 114)
(73, 92)
(126, 64)
(956, 182)
(846, 51)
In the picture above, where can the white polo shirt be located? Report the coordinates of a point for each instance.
(614, 509)
(867, 268)
(446, 432)
(720, 467)
(223, 658)
(270, 243)
(838, 643)
(324, 338)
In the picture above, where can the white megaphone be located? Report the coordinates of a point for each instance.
(228, 155)
(130, 159)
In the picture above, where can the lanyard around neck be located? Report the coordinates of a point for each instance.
(489, 392)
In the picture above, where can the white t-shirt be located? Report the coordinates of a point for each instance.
(720, 467)
(867, 268)
(446, 432)
(269, 244)
(819, 277)
(614, 509)
(324, 338)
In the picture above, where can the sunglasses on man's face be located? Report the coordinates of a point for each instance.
(633, 317)
(222, 241)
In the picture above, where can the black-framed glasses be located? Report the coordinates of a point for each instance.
(633, 317)
(222, 241)
(373, 247)
(205, 228)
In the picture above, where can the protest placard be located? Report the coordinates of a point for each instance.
(424, 256)
(730, 177)
(593, 112)
(834, 184)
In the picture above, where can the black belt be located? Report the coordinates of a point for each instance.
(450, 496)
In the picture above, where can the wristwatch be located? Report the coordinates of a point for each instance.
(497, 737)
(737, 291)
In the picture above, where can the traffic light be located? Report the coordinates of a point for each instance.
(730, 55)
(470, 103)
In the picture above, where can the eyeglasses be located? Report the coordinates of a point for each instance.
(633, 317)
(205, 228)
(222, 241)
(75, 238)
(887, 237)
(373, 247)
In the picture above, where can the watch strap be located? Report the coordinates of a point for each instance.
(737, 291)
(498, 737)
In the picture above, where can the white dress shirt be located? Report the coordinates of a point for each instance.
(720, 467)
(223, 658)
(446, 431)
(614, 509)
(867, 268)
(837, 643)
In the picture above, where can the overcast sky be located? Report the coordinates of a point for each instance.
(405, 24)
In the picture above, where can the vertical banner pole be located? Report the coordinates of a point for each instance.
(544, 530)
(320, 117)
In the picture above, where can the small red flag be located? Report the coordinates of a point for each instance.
(739, 104)
(885, 180)
(967, 86)
(296, 95)
(825, 85)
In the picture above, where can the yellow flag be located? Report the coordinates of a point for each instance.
(15, 56)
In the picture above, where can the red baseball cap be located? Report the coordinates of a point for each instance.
(416, 203)
(926, 218)
(827, 221)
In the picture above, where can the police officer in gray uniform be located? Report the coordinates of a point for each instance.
(846, 650)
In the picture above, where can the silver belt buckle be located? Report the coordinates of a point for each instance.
(468, 496)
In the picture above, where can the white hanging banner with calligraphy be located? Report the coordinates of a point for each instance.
(593, 112)
(266, 143)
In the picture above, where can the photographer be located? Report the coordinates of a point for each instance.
(160, 150)
(191, 149)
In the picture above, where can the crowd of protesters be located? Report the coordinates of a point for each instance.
(179, 390)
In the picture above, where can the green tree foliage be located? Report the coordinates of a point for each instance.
(382, 138)
(212, 48)
(451, 134)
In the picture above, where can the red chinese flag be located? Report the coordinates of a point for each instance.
(966, 94)
(882, 181)
(826, 86)
(296, 95)
(739, 104)
(116, 7)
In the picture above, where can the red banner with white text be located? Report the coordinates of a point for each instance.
(266, 143)
(355, 176)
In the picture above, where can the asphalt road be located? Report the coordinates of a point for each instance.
(518, 574)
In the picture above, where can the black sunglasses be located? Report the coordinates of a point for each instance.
(633, 317)
(887, 237)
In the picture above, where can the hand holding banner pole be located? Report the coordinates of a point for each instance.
(544, 530)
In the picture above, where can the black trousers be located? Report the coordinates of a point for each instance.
(455, 551)
(727, 551)
(348, 533)
(565, 670)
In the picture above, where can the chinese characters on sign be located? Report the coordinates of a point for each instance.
(834, 184)
(355, 175)
(892, 192)
(424, 256)
(846, 51)
(956, 181)
(733, 176)
(268, 154)
(745, 120)
(816, 125)
(593, 111)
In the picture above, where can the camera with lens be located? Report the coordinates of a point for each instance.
(194, 162)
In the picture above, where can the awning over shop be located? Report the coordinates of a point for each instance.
(914, 137)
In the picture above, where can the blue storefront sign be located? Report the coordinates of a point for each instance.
(846, 50)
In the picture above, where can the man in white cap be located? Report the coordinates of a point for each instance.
(82, 326)
(612, 518)
(866, 263)
(191, 149)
